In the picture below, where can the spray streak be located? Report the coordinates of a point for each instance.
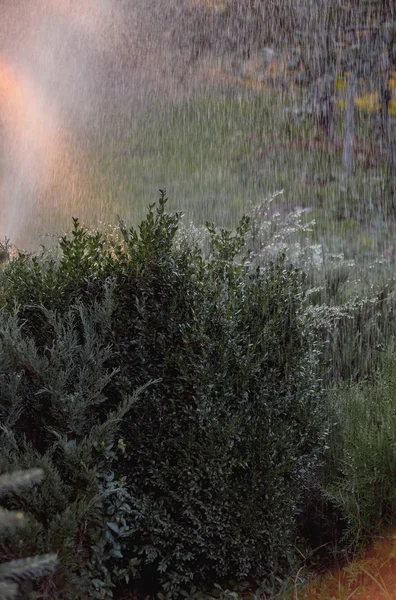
(30, 140)
(70, 70)
(52, 57)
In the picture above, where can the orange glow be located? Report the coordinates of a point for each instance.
(371, 577)
(46, 81)
(12, 96)
(25, 113)
(29, 125)
(34, 156)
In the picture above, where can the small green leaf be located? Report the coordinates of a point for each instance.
(113, 526)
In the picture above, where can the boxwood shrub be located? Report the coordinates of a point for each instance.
(222, 449)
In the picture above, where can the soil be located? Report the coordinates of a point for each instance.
(371, 577)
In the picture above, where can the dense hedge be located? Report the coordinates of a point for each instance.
(219, 450)
(220, 455)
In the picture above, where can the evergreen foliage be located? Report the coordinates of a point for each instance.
(220, 451)
(14, 572)
(230, 438)
(212, 467)
(54, 416)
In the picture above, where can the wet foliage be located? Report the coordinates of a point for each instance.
(270, 339)
(221, 447)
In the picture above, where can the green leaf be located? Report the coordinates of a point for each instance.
(113, 526)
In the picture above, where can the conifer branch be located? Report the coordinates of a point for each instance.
(13, 481)
(8, 591)
(28, 568)
(22, 568)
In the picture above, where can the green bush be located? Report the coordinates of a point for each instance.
(222, 449)
(351, 301)
(54, 416)
(354, 300)
(220, 453)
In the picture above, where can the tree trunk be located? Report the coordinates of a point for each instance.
(349, 124)
(387, 129)
(325, 106)
(385, 98)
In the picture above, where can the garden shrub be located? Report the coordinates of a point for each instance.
(219, 452)
(54, 416)
(352, 302)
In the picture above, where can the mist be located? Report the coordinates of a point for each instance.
(64, 64)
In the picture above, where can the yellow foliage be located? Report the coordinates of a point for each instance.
(340, 82)
(368, 102)
(216, 5)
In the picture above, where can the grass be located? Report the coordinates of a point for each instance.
(215, 154)
(370, 577)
